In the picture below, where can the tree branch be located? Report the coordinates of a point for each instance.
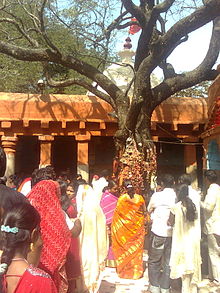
(168, 42)
(42, 28)
(197, 19)
(201, 73)
(164, 6)
(83, 83)
(67, 61)
(115, 23)
(3, 5)
(20, 30)
(135, 11)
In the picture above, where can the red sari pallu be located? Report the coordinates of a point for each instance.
(54, 231)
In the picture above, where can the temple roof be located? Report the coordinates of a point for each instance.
(32, 107)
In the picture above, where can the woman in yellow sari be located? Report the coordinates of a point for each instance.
(128, 233)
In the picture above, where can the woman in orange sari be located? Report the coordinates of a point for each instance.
(128, 233)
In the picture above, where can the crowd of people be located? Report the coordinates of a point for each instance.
(58, 233)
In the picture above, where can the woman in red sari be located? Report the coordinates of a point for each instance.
(128, 234)
(56, 235)
(21, 228)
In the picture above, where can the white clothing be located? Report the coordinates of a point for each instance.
(211, 207)
(69, 223)
(98, 186)
(93, 237)
(214, 256)
(187, 285)
(160, 205)
(196, 199)
(26, 188)
(185, 256)
(194, 196)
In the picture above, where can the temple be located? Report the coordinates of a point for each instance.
(76, 132)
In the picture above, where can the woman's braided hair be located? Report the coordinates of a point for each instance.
(25, 218)
(183, 196)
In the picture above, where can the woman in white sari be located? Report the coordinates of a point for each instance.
(185, 260)
(93, 237)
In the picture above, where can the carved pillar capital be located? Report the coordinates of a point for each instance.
(46, 138)
(9, 146)
(9, 143)
(83, 137)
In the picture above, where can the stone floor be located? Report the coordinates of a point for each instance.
(111, 283)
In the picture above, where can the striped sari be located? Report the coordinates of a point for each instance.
(128, 236)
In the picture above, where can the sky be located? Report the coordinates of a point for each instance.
(187, 55)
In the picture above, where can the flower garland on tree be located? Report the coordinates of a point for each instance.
(137, 166)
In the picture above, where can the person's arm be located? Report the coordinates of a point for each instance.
(74, 225)
(171, 220)
(209, 203)
(151, 205)
(75, 231)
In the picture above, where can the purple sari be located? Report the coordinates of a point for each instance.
(108, 204)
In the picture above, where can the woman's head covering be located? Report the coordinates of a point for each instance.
(55, 233)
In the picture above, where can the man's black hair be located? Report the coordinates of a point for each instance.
(211, 175)
(167, 180)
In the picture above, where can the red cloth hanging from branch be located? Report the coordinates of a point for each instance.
(134, 28)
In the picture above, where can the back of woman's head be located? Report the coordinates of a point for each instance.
(129, 187)
(16, 229)
(183, 196)
(10, 197)
(81, 182)
(46, 173)
(63, 186)
(111, 184)
(64, 200)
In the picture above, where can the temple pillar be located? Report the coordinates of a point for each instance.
(83, 155)
(45, 150)
(9, 146)
(190, 162)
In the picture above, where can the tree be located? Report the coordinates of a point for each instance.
(90, 21)
(196, 91)
(15, 74)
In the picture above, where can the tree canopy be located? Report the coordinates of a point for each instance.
(22, 77)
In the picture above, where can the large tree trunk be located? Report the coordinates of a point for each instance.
(136, 156)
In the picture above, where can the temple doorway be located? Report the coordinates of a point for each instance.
(64, 154)
(101, 154)
(27, 155)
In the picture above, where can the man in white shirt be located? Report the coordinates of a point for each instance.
(211, 206)
(161, 236)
